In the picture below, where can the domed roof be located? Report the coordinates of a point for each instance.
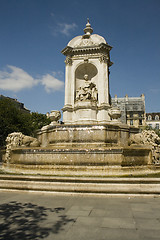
(87, 39)
(80, 41)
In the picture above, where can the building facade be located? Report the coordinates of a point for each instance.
(132, 109)
(153, 120)
(17, 104)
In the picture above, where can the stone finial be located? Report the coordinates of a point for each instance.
(143, 96)
(126, 97)
(116, 98)
(88, 30)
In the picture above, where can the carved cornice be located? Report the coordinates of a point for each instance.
(101, 48)
(101, 51)
(67, 51)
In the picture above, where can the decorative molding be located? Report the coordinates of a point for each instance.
(88, 105)
(85, 42)
(104, 106)
(86, 60)
(68, 108)
(101, 48)
(86, 57)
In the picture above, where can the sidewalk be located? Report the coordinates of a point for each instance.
(28, 216)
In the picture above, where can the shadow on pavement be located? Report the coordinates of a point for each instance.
(28, 221)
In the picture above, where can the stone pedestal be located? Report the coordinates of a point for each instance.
(85, 112)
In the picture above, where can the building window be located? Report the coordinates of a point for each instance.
(131, 122)
(157, 117)
(157, 125)
(140, 121)
(149, 117)
(150, 125)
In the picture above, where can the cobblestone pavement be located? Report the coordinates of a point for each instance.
(30, 215)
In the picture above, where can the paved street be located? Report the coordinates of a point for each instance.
(28, 216)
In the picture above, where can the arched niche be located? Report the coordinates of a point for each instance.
(83, 69)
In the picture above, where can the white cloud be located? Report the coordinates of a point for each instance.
(16, 79)
(64, 28)
(51, 83)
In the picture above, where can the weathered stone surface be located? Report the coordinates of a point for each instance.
(17, 139)
(148, 137)
(83, 185)
(89, 134)
(81, 162)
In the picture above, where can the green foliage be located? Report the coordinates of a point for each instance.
(38, 121)
(14, 120)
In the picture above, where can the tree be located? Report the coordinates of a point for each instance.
(14, 120)
(38, 121)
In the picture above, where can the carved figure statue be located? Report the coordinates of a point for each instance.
(17, 139)
(87, 91)
(148, 137)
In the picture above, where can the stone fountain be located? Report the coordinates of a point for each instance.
(91, 141)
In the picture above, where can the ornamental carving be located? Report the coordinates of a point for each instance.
(55, 115)
(104, 59)
(17, 139)
(68, 61)
(85, 42)
(86, 60)
(148, 137)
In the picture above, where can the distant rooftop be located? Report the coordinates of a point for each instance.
(18, 104)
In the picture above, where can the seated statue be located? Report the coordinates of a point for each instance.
(87, 91)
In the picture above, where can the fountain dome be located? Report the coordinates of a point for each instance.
(93, 40)
(88, 39)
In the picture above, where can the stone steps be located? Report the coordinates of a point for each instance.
(84, 185)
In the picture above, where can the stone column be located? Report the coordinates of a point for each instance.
(68, 104)
(68, 62)
(103, 90)
(103, 82)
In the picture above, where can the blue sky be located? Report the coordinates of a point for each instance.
(33, 33)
